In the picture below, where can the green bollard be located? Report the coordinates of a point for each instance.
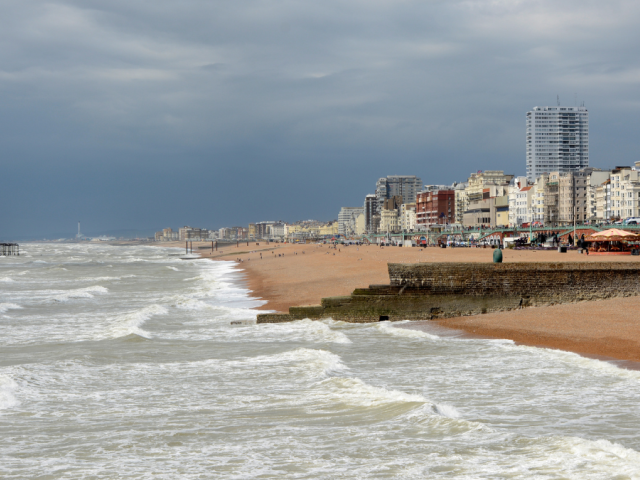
(497, 255)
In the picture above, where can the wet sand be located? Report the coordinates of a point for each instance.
(609, 328)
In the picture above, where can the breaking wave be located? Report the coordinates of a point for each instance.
(87, 292)
(8, 306)
(387, 328)
(307, 330)
(8, 388)
(130, 323)
(311, 362)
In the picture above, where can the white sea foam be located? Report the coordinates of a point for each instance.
(8, 389)
(8, 306)
(387, 327)
(353, 391)
(446, 410)
(315, 363)
(87, 292)
(307, 330)
(603, 452)
(573, 359)
(172, 268)
(130, 323)
(6, 280)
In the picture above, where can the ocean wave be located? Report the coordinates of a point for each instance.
(8, 306)
(388, 328)
(186, 303)
(306, 330)
(6, 280)
(314, 363)
(130, 323)
(355, 392)
(172, 268)
(596, 366)
(8, 389)
(87, 292)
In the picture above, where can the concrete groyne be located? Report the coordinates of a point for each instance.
(439, 290)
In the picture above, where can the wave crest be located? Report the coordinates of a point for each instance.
(9, 306)
(129, 323)
(87, 292)
(8, 388)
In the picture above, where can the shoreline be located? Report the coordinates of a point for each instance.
(598, 329)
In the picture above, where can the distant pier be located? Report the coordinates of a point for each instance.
(7, 249)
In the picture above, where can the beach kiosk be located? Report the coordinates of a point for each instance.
(613, 242)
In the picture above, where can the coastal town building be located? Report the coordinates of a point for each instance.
(462, 201)
(389, 221)
(405, 186)
(347, 219)
(625, 192)
(595, 178)
(166, 235)
(602, 200)
(501, 205)
(435, 207)
(371, 213)
(551, 201)
(263, 229)
(475, 205)
(519, 194)
(187, 233)
(360, 228)
(407, 217)
(557, 140)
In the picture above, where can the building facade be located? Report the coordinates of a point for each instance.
(557, 140)
(435, 207)
(520, 195)
(388, 221)
(405, 186)
(371, 213)
(347, 219)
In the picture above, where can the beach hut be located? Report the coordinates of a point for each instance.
(612, 242)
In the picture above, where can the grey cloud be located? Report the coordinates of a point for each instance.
(325, 95)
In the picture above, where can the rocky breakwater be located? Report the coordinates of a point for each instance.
(438, 290)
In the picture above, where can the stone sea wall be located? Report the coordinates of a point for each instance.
(438, 290)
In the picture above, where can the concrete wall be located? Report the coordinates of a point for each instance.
(437, 290)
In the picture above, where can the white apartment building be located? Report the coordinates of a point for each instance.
(407, 216)
(462, 200)
(595, 179)
(520, 195)
(347, 219)
(277, 230)
(557, 140)
(625, 192)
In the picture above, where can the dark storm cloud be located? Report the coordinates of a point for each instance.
(151, 113)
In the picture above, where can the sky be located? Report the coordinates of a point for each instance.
(142, 115)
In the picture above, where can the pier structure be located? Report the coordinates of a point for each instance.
(7, 249)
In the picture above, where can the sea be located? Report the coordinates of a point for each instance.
(130, 363)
